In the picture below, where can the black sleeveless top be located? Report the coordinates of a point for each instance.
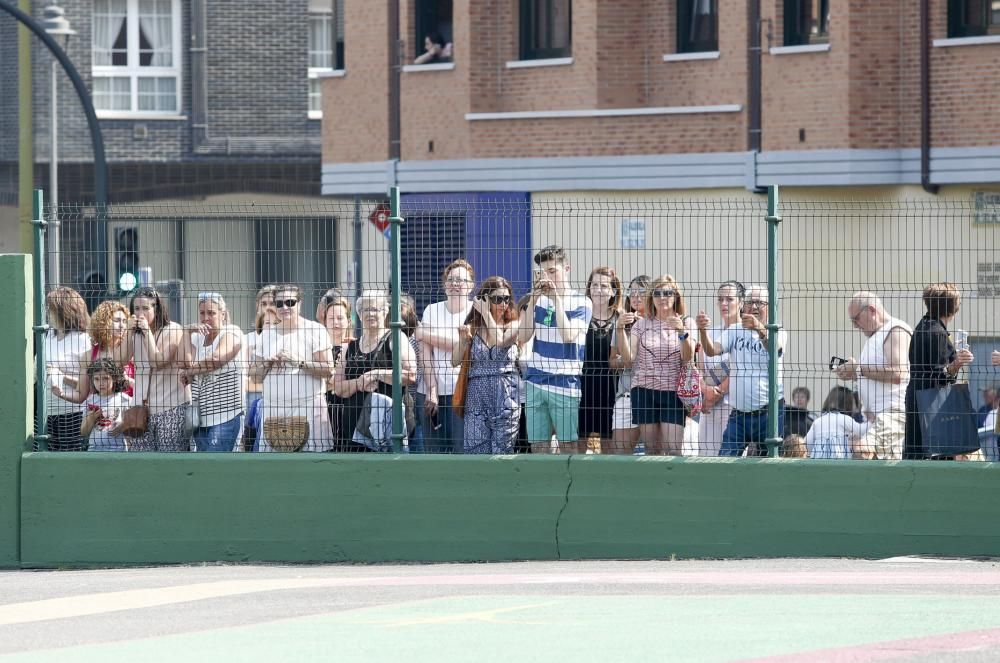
(356, 364)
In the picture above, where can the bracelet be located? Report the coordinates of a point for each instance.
(684, 336)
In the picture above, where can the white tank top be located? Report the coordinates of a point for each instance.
(878, 397)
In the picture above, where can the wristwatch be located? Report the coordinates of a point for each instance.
(684, 336)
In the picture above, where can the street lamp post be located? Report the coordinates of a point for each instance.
(58, 27)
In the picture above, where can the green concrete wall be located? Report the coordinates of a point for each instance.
(15, 395)
(92, 509)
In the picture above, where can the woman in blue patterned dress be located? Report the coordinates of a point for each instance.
(491, 401)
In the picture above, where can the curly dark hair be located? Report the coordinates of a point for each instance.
(118, 380)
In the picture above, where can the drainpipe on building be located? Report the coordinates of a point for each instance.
(202, 143)
(394, 82)
(925, 98)
(754, 132)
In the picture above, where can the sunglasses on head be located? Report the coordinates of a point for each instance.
(500, 299)
(664, 293)
(282, 303)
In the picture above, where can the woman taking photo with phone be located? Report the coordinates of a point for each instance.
(624, 433)
(659, 347)
(489, 339)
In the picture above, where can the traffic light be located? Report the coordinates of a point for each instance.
(127, 258)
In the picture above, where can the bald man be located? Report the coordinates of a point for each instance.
(882, 373)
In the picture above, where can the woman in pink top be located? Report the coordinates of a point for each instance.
(659, 346)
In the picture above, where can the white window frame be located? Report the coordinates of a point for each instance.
(316, 73)
(134, 72)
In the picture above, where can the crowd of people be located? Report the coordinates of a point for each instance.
(614, 370)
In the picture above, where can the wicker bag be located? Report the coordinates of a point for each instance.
(286, 434)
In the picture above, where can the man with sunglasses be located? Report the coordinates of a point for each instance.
(747, 346)
(882, 373)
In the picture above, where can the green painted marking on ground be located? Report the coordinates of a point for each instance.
(577, 628)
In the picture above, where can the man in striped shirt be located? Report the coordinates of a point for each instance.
(557, 317)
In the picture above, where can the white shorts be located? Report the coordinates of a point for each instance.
(622, 417)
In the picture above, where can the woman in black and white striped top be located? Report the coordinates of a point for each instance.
(214, 369)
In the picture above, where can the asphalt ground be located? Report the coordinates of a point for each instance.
(901, 609)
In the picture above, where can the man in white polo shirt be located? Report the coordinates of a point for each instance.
(882, 373)
(747, 346)
(557, 318)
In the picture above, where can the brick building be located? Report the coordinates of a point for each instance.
(640, 95)
(569, 115)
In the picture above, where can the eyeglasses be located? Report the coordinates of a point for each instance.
(857, 316)
(370, 311)
(203, 296)
(756, 303)
(500, 299)
(457, 281)
(282, 303)
(664, 293)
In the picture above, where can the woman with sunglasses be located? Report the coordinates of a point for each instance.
(293, 359)
(625, 434)
(598, 379)
(367, 369)
(213, 368)
(157, 346)
(659, 346)
(489, 335)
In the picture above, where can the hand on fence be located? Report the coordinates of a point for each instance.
(198, 329)
(465, 331)
(702, 320)
(675, 323)
(848, 371)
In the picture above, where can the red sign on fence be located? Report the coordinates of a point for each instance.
(380, 218)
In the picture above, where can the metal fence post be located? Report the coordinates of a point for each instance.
(396, 322)
(773, 440)
(40, 327)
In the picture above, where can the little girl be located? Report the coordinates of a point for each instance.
(105, 406)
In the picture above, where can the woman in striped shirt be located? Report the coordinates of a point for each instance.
(659, 346)
(213, 368)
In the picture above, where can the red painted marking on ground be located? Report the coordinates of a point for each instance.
(884, 651)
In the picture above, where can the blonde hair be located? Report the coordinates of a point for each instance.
(100, 323)
(379, 298)
(793, 446)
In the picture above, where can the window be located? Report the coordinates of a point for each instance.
(973, 18)
(326, 46)
(807, 22)
(697, 26)
(136, 51)
(545, 29)
(434, 21)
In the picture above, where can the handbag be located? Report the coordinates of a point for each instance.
(287, 434)
(689, 388)
(135, 420)
(462, 384)
(947, 420)
(192, 417)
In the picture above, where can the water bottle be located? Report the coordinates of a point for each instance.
(961, 339)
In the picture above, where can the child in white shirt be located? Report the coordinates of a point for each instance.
(105, 406)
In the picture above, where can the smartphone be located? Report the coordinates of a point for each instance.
(961, 339)
(836, 361)
(435, 422)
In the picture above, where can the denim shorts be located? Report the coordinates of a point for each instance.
(653, 406)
